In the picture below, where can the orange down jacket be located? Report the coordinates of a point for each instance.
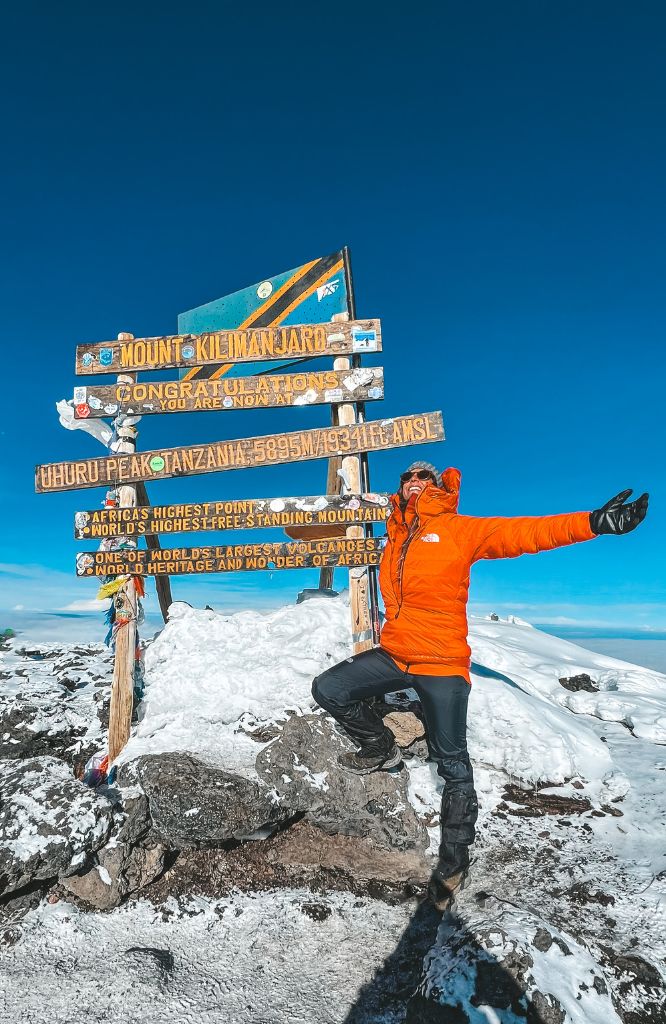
(424, 571)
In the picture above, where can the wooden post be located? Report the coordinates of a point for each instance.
(162, 583)
(350, 468)
(122, 690)
(333, 482)
(358, 578)
(333, 486)
(370, 576)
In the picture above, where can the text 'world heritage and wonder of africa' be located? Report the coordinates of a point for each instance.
(342, 552)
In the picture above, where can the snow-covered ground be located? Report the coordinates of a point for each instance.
(247, 960)
(598, 875)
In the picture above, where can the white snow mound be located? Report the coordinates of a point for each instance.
(206, 671)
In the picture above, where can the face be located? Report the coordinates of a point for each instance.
(415, 483)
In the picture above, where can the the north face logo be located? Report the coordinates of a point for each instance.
(431, 538)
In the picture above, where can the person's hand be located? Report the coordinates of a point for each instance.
(617, 517)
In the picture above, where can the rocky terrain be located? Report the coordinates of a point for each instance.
(233, 872)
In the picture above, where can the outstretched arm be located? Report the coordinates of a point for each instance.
(521, 535)
(526, 535)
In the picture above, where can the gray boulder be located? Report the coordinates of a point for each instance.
(192, 804)
(579, 682)
(49, 821)
(301, 765)
(132, 859)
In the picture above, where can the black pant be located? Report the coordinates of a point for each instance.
(344, 691)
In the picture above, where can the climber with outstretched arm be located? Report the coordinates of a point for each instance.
(424, 578)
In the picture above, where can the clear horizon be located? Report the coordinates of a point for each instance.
(646, 648)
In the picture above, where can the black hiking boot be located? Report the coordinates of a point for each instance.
(361, 764)
(443, 891)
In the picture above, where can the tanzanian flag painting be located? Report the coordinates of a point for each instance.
(309, 294)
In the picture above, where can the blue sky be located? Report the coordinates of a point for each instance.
(497, 170)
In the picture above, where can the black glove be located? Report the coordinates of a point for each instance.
(616, 517)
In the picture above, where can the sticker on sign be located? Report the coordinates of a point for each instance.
(364, 341)
(330, 288)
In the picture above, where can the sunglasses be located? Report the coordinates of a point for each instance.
(420, 474)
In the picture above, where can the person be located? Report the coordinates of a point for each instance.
(424, 579)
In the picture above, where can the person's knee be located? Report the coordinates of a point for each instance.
(317, 690)
(324, 688)
(456, 770)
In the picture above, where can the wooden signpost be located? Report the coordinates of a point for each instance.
(301, 341)
(330, 530)
(226, 393)
(341, 551)
(126, 608)
(330, 510)
(244, 453)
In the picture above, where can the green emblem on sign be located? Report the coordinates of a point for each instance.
(156, 463)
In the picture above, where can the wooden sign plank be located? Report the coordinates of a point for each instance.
(261, 392)
(237, 514)
(244, 453)
(232, 558)
(249, 345)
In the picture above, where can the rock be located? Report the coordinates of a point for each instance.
(137, 823)
(583, 893)
(47, 707)
(301, 764)
(421, 1010)
(614, 811)
(131, 860)
(29, 728)
(298, 857)
(640, 988)
(261, 732)
(405, 726)
(14, 906)
(102, 700)
(120, 870)
(542, 940)
(545, 1009)
(634, 970)
(93, 887)
(580, 682)
(49, 821)
(315, 911)
(501, 983)
(404, 717)
(304, 846)
(192, 804)
(143, 866)
(533, 803)
(491, 957)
